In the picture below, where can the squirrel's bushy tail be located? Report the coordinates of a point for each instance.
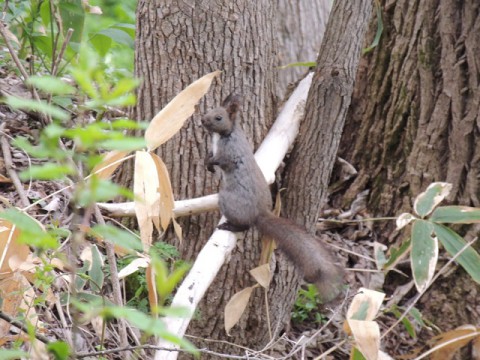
(307, 253)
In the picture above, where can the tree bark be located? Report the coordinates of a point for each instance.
(178, 42)
(414, 120)
(301, 25)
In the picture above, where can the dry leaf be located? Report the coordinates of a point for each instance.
(4, 179)
(365, 305)
(11, 252)
(134, 266)
(147, 198)
(367, 337)
(236, 306)
(111, 161)
(262, 274)
(457, 339)
(166, 192)
(11, 293)
(172, 117)
(152, 288)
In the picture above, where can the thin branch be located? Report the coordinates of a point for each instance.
(117, 291)
(7, 157)
(153, 347)
(22, 327)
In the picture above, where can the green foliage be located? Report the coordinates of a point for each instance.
(306, 307)
(136, 284)
(379, 32)
(79, 77)
(42, 28)
(428, 228)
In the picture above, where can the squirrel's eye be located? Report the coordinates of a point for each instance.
(218, 118)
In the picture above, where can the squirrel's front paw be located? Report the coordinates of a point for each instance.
(231, 227)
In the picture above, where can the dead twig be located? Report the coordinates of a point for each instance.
(7, 157)
(22, 327)
(117, 292)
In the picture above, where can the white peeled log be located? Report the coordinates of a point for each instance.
(220, 245)
(269, 156)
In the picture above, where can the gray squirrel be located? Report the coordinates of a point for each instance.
(245, 201)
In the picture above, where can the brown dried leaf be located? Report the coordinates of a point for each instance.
(11, 293)
(111, 161)
(152, 288)
(172, 117)
(262, 274)
(457, 339)
(147, 198)
(236, 306)
(166, 192)
(11, 252)
(4, 179)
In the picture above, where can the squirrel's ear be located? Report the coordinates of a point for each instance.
(231, 103)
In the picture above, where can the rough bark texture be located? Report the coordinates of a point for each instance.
(415, 119)
(312, 159)
(301, 25)
(311, 162)
(178, 42)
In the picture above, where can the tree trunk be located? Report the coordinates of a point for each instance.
(415, 119)
(301, 25)
(178, 42)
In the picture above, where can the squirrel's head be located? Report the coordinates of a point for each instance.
(221, 120)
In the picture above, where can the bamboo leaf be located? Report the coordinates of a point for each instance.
(456, 215)
(424, 254)
(469, 259)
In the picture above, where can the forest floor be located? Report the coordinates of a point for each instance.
(355, 242)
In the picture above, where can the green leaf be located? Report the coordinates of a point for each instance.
(469, 259)
(101, 43)
(424, 254)
(51, 84)
(456, 215)
(59, 349)
(127, 143)
(378, 35)
(118, 236)
(96, 272)
(38, 106)
(119, 36)
(128, 124)
(124, 86)
(426, 201)
(405, 321)
(397, 254)
(12, 354)
(42, 43)
(357, 355)
(73, 16)
(48, 171)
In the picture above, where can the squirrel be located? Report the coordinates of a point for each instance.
(245, 201)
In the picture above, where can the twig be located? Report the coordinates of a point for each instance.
(22, 327)
(153, 347)
(20, 67)
(419, 295)
(7, 157)
(56, 62)
(117, 291)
